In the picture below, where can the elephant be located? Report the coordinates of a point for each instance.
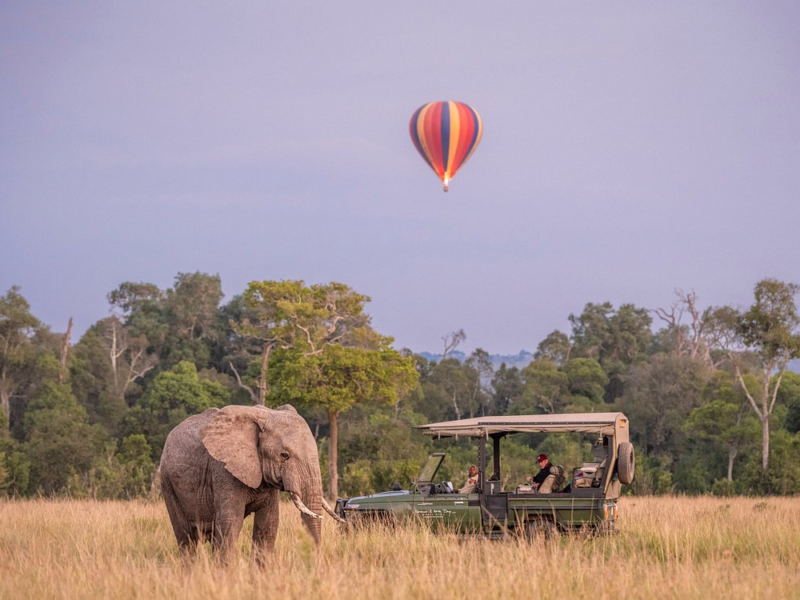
(219, 466)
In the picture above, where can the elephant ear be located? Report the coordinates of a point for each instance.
(232, 438)
(287, 407)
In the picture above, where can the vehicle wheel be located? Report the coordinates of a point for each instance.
(540, 529)
(626, 463)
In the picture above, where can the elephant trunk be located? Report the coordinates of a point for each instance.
(312, 498)
(306, 493)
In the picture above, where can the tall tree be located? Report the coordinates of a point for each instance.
(481, 364)
(265, 317)
(615, 338)
(690, 338)
(658, 396)
(18, 352)
(451, 341)
(508, 388)
(768, 332)
(545, 389)
(139, 308)
(189, 311)
(92, 379)
(336, 359)
(59, 440)
(336, 379)
(585, 377)
(725, 421)
(193, 303)
(66, 342)
(127, 354)
(609, 335)
(556, 348)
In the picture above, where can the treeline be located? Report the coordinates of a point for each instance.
(712, 406)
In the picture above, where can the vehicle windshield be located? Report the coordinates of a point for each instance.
(428, 471)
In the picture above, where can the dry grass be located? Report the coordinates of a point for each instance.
(665, 548)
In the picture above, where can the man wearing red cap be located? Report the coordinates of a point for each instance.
(544, 465)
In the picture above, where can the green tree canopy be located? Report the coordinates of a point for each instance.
(59, 440)
(336, 379)
(768, 332)
(545, 389)
(18, 351)
(169, 399)
(585, 377)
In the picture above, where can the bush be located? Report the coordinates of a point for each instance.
(723, 488)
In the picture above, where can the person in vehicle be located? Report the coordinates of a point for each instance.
(544, 472)
(472, 481)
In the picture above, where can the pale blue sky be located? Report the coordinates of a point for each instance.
(629, 149)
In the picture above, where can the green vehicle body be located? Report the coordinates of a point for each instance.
(493, 511)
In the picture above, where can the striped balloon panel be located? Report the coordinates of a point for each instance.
(446, 135)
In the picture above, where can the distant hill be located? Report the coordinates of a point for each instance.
(519, 360)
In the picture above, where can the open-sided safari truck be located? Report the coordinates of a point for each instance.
(589, 501)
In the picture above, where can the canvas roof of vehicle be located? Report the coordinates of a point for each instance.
(613, 423)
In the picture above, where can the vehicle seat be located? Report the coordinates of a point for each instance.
(547, 485)
(553, 482)
(584, 475)
(589, 474)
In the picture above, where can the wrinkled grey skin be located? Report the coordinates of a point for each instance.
(222, 465)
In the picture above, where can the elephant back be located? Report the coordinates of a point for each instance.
(184, 443)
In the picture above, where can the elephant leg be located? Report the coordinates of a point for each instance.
(185, 532)
(265, 526)
(228, 520)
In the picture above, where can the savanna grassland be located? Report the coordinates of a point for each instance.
(665, 548)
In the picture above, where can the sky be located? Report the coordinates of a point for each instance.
(629, 149)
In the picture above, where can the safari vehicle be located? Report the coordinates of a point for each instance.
(589, 502)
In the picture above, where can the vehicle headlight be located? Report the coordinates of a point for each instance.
(351, 507)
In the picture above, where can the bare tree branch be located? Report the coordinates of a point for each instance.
(452, 340)
(749, 396)
(65, 343)
(250, 391)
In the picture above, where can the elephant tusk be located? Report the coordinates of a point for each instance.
(302, 507)
(327, 507)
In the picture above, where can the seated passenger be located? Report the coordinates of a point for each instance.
(472, 481)
(544, 472)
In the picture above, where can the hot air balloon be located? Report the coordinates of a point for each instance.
(446, 135)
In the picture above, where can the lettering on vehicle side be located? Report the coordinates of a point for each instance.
(434, 513)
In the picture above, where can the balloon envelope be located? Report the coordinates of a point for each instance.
(446, 134)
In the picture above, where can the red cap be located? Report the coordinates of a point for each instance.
(541, 457)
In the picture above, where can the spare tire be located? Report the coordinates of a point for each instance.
(626, 463)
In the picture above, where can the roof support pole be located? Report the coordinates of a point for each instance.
(496, 456)
(481, 461)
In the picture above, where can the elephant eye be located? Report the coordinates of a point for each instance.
(285, 455)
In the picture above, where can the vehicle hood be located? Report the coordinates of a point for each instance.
(357, 499)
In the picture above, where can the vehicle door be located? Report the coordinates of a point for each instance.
(453, 512)
(440, 508)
